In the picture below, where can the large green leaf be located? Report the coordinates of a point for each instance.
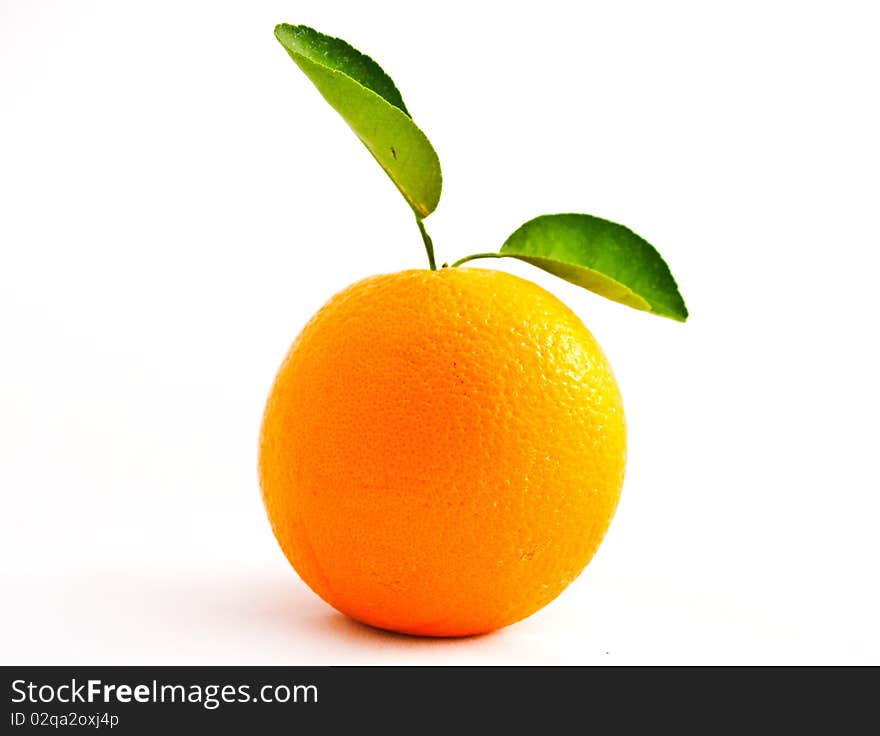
(601, 256)
(358, 89)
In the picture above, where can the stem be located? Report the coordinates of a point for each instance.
(429, 245)
(476, 255)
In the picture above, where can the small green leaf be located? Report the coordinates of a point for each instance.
(358, 89)
(601, 256)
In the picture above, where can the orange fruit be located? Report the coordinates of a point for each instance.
(442, 452)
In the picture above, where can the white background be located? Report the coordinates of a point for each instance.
(176, 200)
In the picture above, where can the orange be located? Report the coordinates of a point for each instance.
(442, 451)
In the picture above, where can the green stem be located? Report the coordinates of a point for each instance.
(429, 245)
(476, 255)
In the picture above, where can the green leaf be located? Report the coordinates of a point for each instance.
(601, 256)
(358, 89)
